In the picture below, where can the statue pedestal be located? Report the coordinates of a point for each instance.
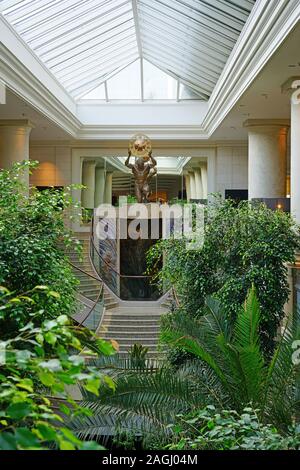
(122, 260)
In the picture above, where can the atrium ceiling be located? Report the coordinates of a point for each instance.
(86, 43)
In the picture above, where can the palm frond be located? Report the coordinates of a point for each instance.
(280, 397)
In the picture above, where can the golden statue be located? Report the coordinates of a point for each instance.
(143, 170)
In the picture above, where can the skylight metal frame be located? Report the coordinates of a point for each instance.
(84, 43)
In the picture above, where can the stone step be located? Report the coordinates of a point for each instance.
(110, 304)
(89, 283)
(87, 275)
(127, 316)
(92, 297)
(78, 261)
(124, 348)
(121, 337)
(127, 325)
(133, 328)
(140, 311)
(91, 288)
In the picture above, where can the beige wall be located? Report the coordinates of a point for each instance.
(231, 168)
(55, 165)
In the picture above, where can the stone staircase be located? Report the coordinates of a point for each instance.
(83, 269)
(126, 322)
(133, 323)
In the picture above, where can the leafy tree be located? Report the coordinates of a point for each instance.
(229, 371)
(35, 367)
(40, 347)
(31, 228)
(243, 245)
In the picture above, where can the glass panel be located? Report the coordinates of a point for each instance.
(96, 94)
(186, 93)
(100, 70)
(157, 84)
(89, 63)
(126, 85)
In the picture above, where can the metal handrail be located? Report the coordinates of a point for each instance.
(93, 307)
(115, 284)
(176, 298)
(98, 296)
(113, 269)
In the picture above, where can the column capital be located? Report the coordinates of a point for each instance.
(17, 125)
(264, 124)
(290, 84)
(296, 93)
(90, 162)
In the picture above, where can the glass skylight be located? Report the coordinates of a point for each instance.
(85, 43)
(126, 84)
(157, 84)
(97, 94)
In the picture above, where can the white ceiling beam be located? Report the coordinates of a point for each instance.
(106, 91)
(142, 79)
(137, 27)
(6, 4)
(2, 93)
(178, 91)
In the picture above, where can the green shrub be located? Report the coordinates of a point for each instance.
(36, 366)
(228, 371)
(209, 429)
(32, 239)
(243, 245)
(40, 345)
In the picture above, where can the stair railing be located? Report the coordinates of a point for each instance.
(92, 319)
(119, 283)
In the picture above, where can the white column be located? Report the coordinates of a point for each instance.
(187, 179)
(193, 185)
(99, 186)
(295, 151)
(88, 180)
(108, 188)
(14, 143)
(204, 181)
(211, 173)
(267, 157)
(198, 182)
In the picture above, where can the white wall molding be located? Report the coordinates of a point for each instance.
(21, 81)
(268, 25)
(154, 132)
(166, 147)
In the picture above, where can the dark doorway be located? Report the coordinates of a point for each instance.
(236, 195)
